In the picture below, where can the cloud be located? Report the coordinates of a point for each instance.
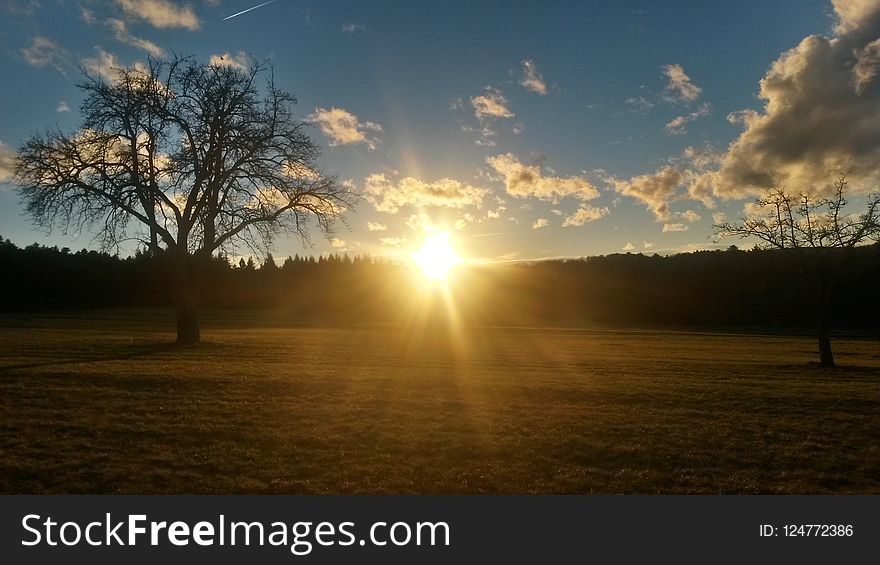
(374, 226)
(336, 243)
(487, 109)
(648, 244)
(239, 61)
(123, 35)
(865, 69)
(87, 16)
(392, 241)
(353, 27)
(525, 181)
(679, 85)
(495, 214)
(854, 14)
(655, 190)
(719, 218)
(344, 128)
(821, 114)
(389, 196)
(702, 157)
(629, 247)
(690, 216)
(62, 107)
(7, 162)
(532, 79)
(20, 7)
(585, 214)
(685, 178)
(667, 228)
(104, 64)
(540, 223)
(677, 125)
(492, 104)
(639, 104)
(161, 13)
(45, 52)
(420, 222)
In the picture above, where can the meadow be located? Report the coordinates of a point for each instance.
(102, 402)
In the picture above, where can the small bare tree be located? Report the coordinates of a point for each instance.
(817, 224)
(187, 159)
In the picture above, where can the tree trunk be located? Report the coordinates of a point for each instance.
(188, 317)
(187, 301)
(826, 356)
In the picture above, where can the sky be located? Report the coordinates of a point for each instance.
(525, 129)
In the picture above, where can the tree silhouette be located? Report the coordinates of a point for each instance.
(189, 160)
(816, 226)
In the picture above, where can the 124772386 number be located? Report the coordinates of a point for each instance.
(818, 530)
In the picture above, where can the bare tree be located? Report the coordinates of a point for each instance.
(816, 225)
(187, 159)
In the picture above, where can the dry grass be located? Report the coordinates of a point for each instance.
(101, 404)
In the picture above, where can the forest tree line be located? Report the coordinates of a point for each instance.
(707, 288)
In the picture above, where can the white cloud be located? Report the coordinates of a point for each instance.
(677, 125)
(104, 64)
(540, 223)
(492, 104)
(585, 214)
(353, 27)
(336, 243)
(667, 228)
(532, 79)
(239, 61)
(690, 216)
(639, 105)
(525, 181)
(161, 13)
(629, 247)
(62, 107)
(702, 157)
(87, 16)
(719, 218)
(344, 128)
(375, 226)
(488, 109)
(7, 162)
(421, 222)
(648, 244)
(679, 85)
(45, 52)
(387, 195)
(821, 114)
(392, 241)
(123, 35)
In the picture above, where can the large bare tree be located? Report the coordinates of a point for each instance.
(187, 159)
(816, 226)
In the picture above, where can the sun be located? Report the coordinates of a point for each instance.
(436, 257)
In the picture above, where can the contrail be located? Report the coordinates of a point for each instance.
(248, 10)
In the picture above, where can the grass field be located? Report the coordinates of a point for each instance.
(103, 404)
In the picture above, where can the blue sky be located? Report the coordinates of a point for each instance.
(546, 129)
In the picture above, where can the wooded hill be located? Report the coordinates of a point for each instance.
(707, 288)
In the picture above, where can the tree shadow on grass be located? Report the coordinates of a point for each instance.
(119, 352)
(845, 369)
